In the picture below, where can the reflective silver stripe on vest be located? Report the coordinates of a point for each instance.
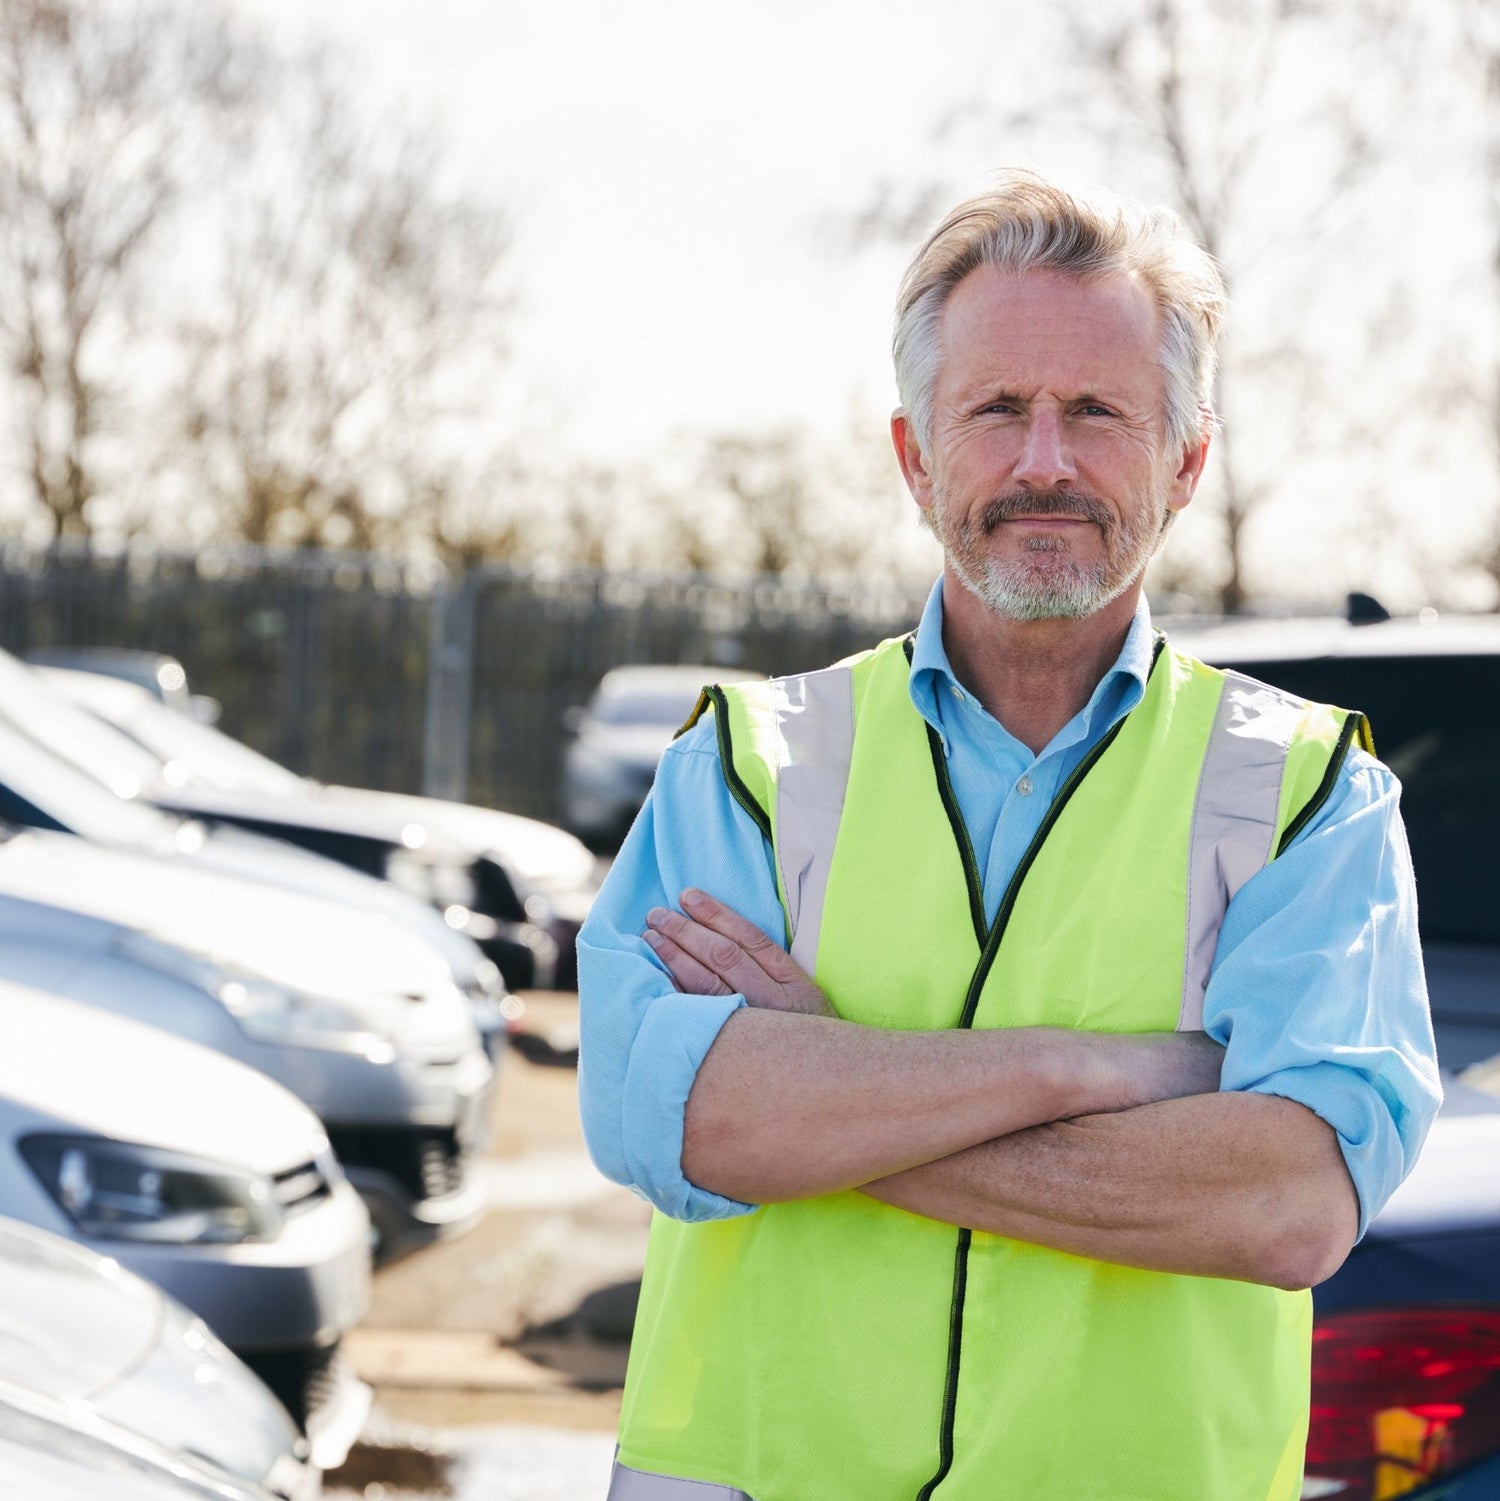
(626, 1484)
(814, 742)
(1234, 818)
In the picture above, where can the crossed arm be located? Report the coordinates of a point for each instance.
(1118, 1148)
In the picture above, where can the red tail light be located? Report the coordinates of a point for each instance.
(1400, 1397)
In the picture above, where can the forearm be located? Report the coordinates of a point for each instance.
(789, 1106)
(1246, 1186)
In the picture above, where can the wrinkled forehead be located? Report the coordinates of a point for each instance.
(1043, 327)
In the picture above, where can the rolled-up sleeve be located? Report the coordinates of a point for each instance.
(641, 1040)
(1317, 989)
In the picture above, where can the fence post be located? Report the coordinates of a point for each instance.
(450, 677)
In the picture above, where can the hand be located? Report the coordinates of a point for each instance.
(714, 951)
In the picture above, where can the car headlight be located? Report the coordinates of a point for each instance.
(116, 1190)
(264, 1008)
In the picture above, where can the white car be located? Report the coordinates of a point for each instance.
(45, 1457)
(62, 767)
(200, 1175)
(359, 1020)
(529, 885)
(89, 1347)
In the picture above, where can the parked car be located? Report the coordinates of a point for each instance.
(517, 887)
(1406, 1341)
(619, 737)
(1429, 687)
(160, 675)
(62, 768)
(360, 1021)
(101, 1352)
(52, 1456)
(200, 1175)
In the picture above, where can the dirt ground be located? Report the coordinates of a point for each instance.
(523, 1320)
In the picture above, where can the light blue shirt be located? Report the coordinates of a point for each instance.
(1316, 991)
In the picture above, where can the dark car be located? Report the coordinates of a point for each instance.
(1406, 1341)
(618, 738)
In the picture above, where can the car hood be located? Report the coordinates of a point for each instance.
(71, 1322)
(1454, 1186)
(233, 851)
(77, 1327)
(381, 824)
(297, 940)
(547, 857)
(75, 1067)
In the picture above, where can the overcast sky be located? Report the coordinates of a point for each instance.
(680, 171)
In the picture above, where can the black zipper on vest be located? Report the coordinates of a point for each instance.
(1352, 727)
(738, 790)
(988, 954)
(955, 821)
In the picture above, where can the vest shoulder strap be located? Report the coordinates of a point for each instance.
(1272, 760)
(785, 746)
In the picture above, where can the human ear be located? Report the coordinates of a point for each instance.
(911, 458)
(1193, 458)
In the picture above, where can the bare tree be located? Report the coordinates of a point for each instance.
(783, 501)
(1209, 89)
(1228, 109)
(107, 113)
(1479, 37)
(352, 340)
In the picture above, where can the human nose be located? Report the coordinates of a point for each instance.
(1045, 460)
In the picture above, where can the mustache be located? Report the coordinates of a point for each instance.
(1044, 503)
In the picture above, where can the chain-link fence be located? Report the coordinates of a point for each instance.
(377, 673)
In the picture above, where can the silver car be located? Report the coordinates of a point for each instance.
(360, 1021)
(85, 1344)
(198, 1174)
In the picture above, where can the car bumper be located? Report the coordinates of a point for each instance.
(298, 1292)
(325, 1399)
(416, 1178)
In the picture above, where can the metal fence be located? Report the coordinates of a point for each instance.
(378, 673)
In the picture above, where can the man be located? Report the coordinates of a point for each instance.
(1102, 1033)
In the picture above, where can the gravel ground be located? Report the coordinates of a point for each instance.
(497, 1357)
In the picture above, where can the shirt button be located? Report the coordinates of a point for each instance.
(1023, 786)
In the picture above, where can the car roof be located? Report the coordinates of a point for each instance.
(659, 678)
(1305, 639)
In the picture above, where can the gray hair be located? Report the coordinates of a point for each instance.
(1027, 223)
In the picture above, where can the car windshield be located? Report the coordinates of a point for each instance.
(170, 736)
(33, 777)
(108, 757)
(1436, 720)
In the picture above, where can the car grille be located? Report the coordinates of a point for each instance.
(303, 1381)
(300, 1187)
(427, 1163)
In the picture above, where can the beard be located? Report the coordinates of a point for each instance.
(1046, 582)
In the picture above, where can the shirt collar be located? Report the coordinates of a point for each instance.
(1121, 688)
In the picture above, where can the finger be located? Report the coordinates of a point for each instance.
(718, 953)
(688, 975)
(770, 955)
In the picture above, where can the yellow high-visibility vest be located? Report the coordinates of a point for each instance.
(839, 1348)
